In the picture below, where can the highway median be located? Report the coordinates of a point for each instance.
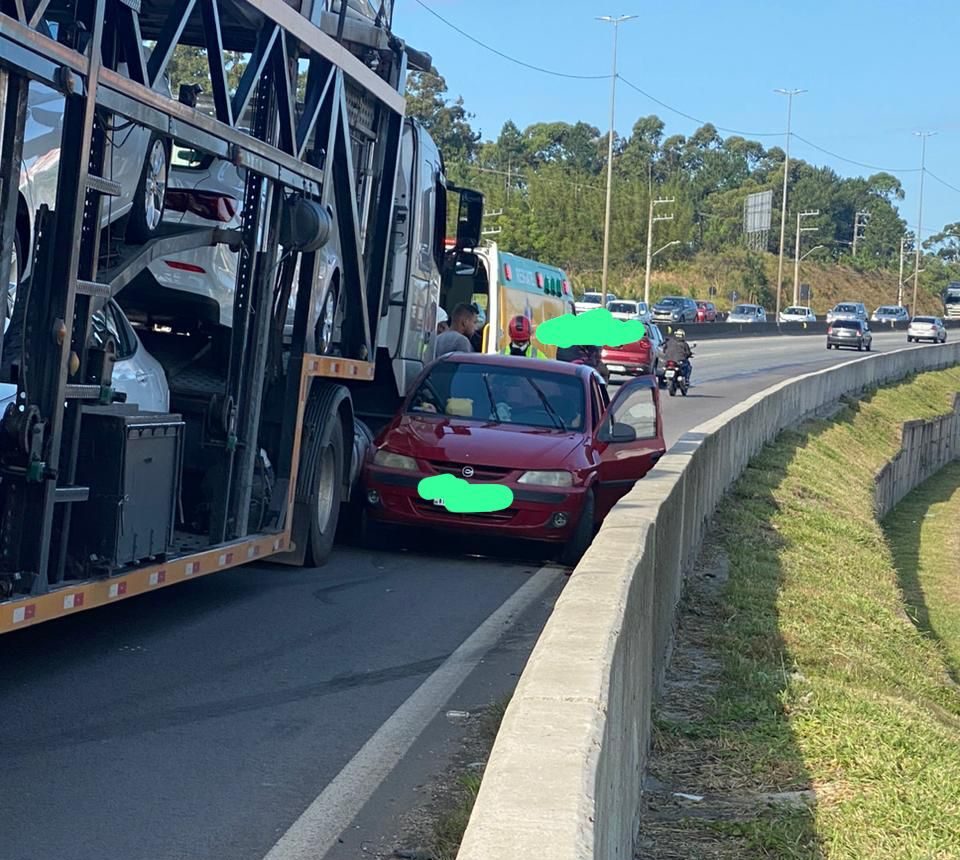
(566, 774)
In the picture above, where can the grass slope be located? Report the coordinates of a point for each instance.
(823, 682)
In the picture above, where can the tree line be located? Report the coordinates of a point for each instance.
(546, 183)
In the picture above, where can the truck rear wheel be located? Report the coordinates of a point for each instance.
(325, 497)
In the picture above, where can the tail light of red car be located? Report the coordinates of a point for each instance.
(206, 204)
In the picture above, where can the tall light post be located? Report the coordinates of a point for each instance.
(613, 102)
(903, 240)
(923, 135)
(796, 254)
(786, 173)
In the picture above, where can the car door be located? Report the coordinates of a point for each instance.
(628, 441)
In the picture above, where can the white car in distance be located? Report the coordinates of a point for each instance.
(624, 309)
(798, 314)
(592, 301)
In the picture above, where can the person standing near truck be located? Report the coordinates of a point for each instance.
(463, 323)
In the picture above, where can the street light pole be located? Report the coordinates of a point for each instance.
(613, 102)
(786, 173)
(923, 135)
(796, 255)
(903, 240)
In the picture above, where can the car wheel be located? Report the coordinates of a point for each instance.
(150, 199)
(578, 542)
(13, 283)
(326, 322)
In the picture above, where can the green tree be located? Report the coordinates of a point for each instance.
(447, 121)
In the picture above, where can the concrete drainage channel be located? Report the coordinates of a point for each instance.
(565, 776)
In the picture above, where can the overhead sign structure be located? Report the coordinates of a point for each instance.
(757, 213)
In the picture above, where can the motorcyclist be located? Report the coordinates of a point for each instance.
(677, 349)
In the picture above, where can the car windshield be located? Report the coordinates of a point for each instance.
(887, 311)
(622, 308)
(953, 298)
(846, 309)
(846, 324)
(923, 319)
(669, 302)
(502, 395)
(796, 311)
(591, 299)
(745, 309)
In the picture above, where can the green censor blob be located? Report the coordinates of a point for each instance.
(594, 328)
(461, 497)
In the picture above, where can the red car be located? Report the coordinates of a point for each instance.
(706, 312)
(545, 429)
(639, 358)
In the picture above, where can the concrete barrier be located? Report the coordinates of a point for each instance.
(724, 330)
(565, 775)
(925, 448)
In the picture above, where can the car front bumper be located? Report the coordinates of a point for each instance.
(532, 515)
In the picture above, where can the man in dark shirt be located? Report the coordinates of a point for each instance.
(677, 349)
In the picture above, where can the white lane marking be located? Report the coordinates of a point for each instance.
(316, 831)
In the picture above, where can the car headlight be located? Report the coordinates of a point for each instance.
(547, 479)
(394, 461)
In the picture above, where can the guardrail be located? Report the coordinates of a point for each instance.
(717, 330)
(565, 775)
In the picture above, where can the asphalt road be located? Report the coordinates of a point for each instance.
(278, 712)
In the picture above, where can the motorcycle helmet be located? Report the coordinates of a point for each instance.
(680, 334)
(520, 329)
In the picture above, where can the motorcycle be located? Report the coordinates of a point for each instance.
(675, 378)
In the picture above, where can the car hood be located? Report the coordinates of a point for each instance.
(456, 440)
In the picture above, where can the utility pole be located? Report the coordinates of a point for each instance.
(903, 240)
(613, 102)
(786, 173)
(918, 243)
(651, 218)
(796, 255)
(859, 220)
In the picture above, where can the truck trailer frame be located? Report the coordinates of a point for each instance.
(332, 149)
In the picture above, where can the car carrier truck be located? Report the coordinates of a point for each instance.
(340, 256)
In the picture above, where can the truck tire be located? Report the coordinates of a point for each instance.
(325, 497)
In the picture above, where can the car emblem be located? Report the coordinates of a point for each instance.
(467, 471)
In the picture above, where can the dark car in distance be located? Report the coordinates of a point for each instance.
(852, 334)
(675, 310)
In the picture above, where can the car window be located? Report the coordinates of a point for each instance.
(847, 324)
(923, 319)
(622, 307)
(669, 301)
(503, 395)
(638, 410)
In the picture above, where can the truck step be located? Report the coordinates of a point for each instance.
(107, 187)
(83, 392)
(68, 495)
(92, 288)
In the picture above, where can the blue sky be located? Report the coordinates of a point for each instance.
(875, 72)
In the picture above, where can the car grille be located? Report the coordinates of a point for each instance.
(503, 516)
(480, 473)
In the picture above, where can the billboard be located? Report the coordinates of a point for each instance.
(757, 213)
